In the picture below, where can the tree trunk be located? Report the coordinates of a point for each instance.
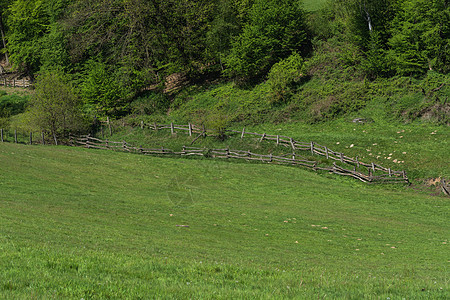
(4, 40)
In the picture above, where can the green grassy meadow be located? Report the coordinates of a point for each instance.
(418, 148)
(312, 5)
(77, 223)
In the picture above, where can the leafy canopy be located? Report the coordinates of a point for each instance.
(275, 29)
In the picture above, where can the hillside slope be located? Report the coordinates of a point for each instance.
(78, 223)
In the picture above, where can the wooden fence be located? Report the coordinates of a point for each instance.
(290, 143)
(286, 159)
(23, 83)
(338, 162)
(30, 138)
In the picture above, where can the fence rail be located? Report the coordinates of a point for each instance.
(288, 142)
(285, 159)
(23, 83)
(339, 163)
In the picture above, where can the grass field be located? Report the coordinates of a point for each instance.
(312, 5)
(78, 223)
(417, 148)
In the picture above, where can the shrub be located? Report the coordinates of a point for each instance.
(11, 105)
(54, 107)
(283, 76)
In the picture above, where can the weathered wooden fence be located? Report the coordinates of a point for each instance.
(23, 83)
(290, 143)
(31, 138)
(338, 163)
(286, 159)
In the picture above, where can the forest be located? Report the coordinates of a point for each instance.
(255, 60)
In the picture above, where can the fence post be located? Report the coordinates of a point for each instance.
(14, 83)
(326, 152)
(103, 134)
(23, 82)
(357, 162)
(15, 136)
(312, 148)
(342, 157)
(278, 140)
(171, 128)
(262, 138)
(228, 152)
(155, 126)
(54, 137)
(2, 134)
(109, 125)
(292, 144)
(190, 129)
(243, 132)
(142, 124)
(31, 138)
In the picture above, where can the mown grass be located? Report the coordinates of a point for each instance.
(78, 223)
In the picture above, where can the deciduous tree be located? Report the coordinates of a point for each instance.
(275, 29)
(54, 107)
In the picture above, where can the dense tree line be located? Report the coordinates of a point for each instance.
(112, 49)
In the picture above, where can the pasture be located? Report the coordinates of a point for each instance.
(77, 223)
(312, 5)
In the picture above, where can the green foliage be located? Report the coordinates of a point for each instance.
(54, 107)
(218, 121)
(12, 105)
(425, 100)
(369, 16)
(238, 104)
(225, 25)
(375, 62)
(34, 37)
(149, 104)
(283, 76)
(27, 22)
(421, 37)
(275, 29)
(102, 90)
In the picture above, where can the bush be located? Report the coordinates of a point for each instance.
(54, 107)
(218, 122)
(283, 76)
(11, 105)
